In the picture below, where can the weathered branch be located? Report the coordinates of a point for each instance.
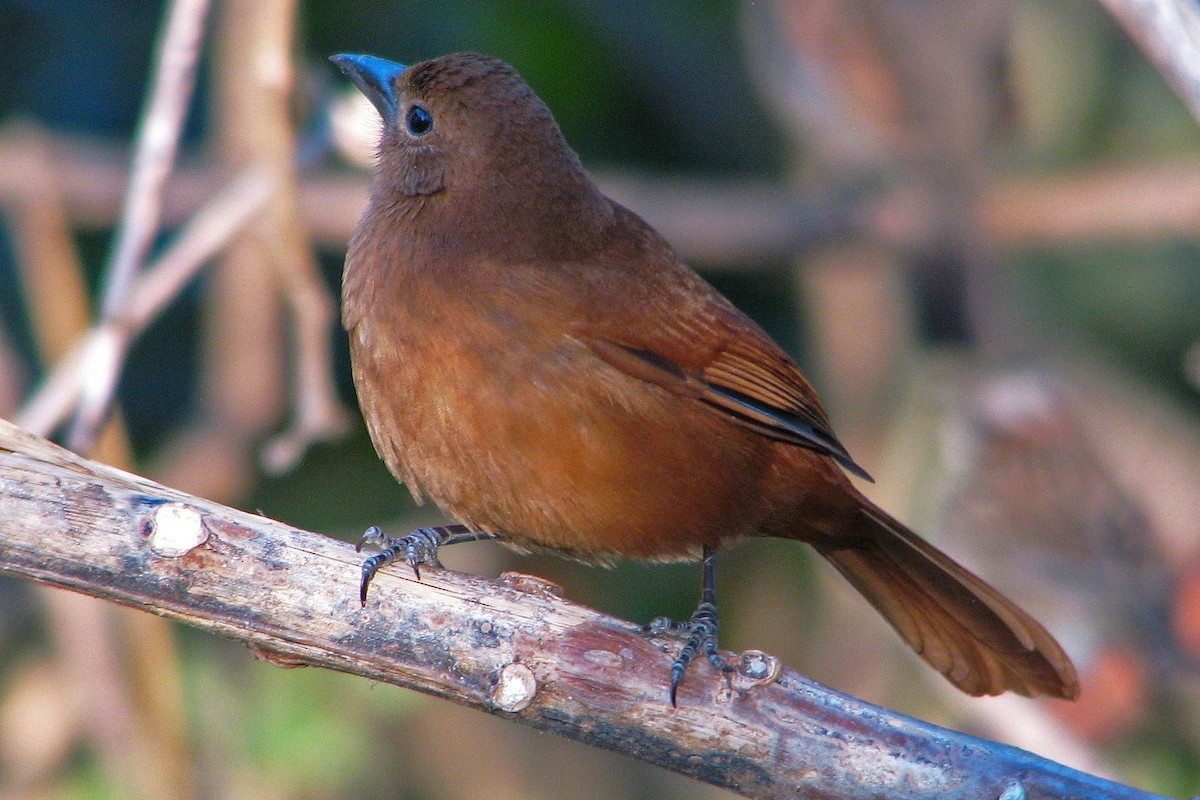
(511, 647)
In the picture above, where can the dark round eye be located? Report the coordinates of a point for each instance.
(418, 121)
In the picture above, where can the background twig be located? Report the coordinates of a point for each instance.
(158, 142)
(206, 234)
(740, 224)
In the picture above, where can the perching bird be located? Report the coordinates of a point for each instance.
(537, 360)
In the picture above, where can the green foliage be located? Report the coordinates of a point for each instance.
(308, 729)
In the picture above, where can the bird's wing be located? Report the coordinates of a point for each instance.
(747, 377)
(638, 307)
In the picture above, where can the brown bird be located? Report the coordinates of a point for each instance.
(538, 360)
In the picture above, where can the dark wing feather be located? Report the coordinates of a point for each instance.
(758, 389)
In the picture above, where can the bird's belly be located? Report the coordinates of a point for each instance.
(551, 447)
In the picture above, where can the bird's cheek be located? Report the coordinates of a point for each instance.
(418, 173)
(424, 178)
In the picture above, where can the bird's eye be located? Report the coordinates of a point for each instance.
(418, 121)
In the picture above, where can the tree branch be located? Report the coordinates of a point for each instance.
(511, 647)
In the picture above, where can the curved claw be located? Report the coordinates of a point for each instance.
(371, 566)
(677, 671)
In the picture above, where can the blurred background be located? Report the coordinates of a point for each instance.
(976, 224)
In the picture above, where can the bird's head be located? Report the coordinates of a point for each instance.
(459, 122)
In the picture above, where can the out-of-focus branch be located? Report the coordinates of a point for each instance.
(317, 412)
(158, 140)
(51, 274)
(1111, 205)
(12, 374)
(270, 280)
(1169, 32)
(741, 224)
(208, 231)
(510, 647)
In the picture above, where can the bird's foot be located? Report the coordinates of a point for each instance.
(701, 633)
(417, 548)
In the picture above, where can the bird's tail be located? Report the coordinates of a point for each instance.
(962, 627)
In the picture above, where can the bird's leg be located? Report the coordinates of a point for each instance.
(417, 548)
(701, 629)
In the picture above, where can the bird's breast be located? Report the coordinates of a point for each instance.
(508, 423)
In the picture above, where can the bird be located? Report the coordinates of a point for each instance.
(538, 361)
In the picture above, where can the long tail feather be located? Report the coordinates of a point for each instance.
(962, 627)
